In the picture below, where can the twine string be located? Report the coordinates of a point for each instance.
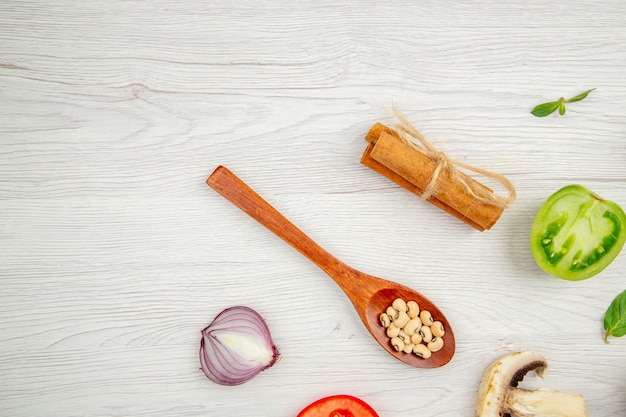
(443, 163)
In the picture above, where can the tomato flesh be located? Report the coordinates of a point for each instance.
(338, 406)
(576, 234)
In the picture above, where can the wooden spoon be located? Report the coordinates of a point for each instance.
(370, 295)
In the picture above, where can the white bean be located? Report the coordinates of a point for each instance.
(421, 351)
(426, 317)
(435, 345)
(437, 329)
(397, 344)
(385, 321)
(416, 338)
(393, 331)
(399, 304)
(412, 326)
(392, 313)
(401, 320)
(413, 309)
(427, 335)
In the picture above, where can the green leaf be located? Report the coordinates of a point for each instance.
(615, 318)
(542, 110)
(579, 97)
(550, 107)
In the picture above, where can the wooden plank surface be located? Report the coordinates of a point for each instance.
(114, 253)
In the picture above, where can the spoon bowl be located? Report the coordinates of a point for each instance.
(383, 298)
(370, 295)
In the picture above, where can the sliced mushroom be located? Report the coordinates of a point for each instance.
(498, 394)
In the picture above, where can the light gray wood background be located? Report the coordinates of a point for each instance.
(114, 254)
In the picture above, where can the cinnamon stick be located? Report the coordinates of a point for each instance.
(388, 154)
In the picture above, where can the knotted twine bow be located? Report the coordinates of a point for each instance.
(445, 163)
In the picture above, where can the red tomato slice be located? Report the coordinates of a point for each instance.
(338, 406)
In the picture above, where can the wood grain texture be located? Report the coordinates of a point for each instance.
(114, 253)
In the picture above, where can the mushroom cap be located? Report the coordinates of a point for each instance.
(502, 374)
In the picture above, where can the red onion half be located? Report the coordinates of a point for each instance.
(236, 346)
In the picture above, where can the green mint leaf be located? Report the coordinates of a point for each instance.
(545, 109)
(615, 318)
(542, 110)
(579, 97)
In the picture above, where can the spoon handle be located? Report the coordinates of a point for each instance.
(241, 195)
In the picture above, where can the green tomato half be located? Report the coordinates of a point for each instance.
(576, 234)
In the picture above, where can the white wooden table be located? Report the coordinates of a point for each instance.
(114, 253)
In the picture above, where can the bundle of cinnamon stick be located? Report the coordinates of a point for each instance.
(432, 175)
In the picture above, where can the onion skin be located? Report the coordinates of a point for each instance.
(251, 349)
